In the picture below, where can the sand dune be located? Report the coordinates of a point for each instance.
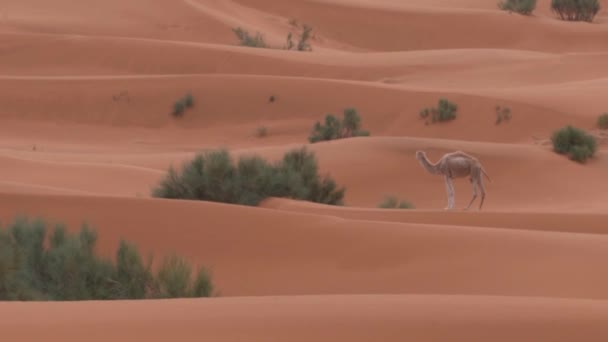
(86, 132)
(290, 253)
(320, 318)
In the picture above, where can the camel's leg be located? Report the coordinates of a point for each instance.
(483, 191)
(450, 190)
(474, 184)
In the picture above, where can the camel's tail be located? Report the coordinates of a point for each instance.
(484, 172)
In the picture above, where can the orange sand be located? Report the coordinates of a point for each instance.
(85, 133)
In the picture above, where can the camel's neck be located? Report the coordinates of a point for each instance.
(430, 167)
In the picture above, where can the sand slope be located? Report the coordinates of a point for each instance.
(322, 318)
(86, 132)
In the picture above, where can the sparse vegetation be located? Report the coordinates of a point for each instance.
(445, 111)
(576, 10)
(261, 132)
(303, 44)
(391, 202)
(574, 142)
(602, 121)
(349, 126)
(182, 104)
(524, 7)
(305, 36)
(214, 176)
(502, 114)
(64, 266)
(245, 39)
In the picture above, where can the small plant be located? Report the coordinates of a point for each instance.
(303, 44)
(502, 114)
(350, 126)
(272, 98)
(178, 108)
(391, 202)
(188, 100)
(290, 44)
(246, 39)
(576, 10)
(261, 131)
(576, 143)
(182, 104)
(445, 111)
(524, 7)
(602, 121)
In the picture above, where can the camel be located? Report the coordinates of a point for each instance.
(457, 165)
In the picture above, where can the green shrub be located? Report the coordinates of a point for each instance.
(574, 142)
(67, 267)
(576, 10)
(602, 121)
(178, 108)
(502, 114)
(445, 111)
(182, 104)
(350, 126)
(188, 100)
(524, 7)
(391, 202)
(302, 44)
(213, 176)
(246, 39)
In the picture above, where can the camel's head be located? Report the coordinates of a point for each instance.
(420, 155)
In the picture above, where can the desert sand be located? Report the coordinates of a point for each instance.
(86, 133)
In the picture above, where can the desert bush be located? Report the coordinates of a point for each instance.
(602, 121)
(65, 267)
(502, 114)
(391, 202)
(445, 111)
(246, 39)
(524, 7)
(349, 126)
(261, 131)
(303, 43)
(182, 104)
(576, 10)
(213, 176)
(574, 142)
(174, 280)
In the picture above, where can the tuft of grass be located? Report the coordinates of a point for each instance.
(525, 7)
(502, 114)
(180, 106)
(261, 132)
(574, 142)
(334, 128)
(576, 10)
(602, 121)
(64, 266)
(246, 39)
(303, 42)
(215, 176)
(391, 202)
(445, 111)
